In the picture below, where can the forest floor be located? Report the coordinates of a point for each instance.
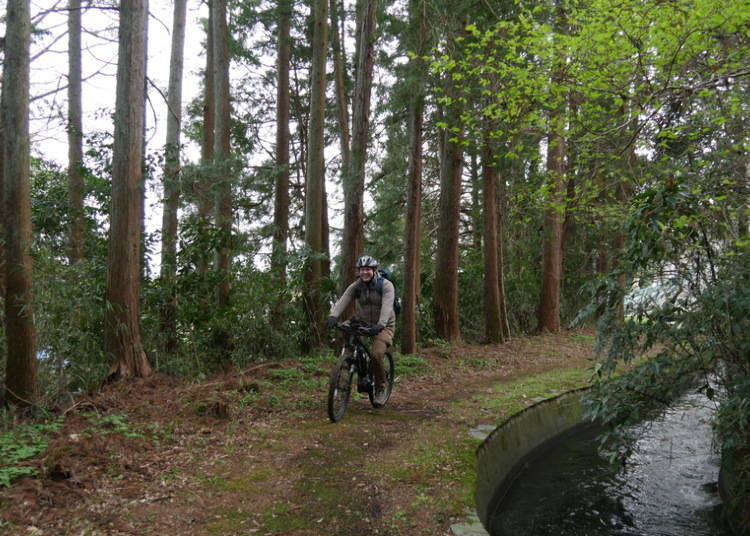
(252, 452)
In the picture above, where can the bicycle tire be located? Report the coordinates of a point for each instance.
(390, 374)
(340, 387)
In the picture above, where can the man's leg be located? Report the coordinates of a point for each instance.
(380, 344)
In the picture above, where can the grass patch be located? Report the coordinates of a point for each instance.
(411, 365)
(509, 398)
(281, 520)
(440, 467)
(230, 521)
(244, 483)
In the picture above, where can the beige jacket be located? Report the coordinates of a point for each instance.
(371, 307)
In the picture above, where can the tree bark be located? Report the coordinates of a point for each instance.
(352, 243)
(412, 264)
(281, 205)
(172, 178)
(445, 299)
(339, 77)
(554, 214)
(549, 301)
(207, 142)
(315, 179)
(122, 331)
(502, 205)
(492, 313)
(477, 204)
(3, 211)
(222, 164)
(75, 133)
(21, 363)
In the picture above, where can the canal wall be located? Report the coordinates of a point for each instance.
(520, 439)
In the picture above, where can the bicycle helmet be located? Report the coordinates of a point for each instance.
(365, 261)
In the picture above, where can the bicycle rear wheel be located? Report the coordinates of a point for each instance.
(340, 387)
(390, 374)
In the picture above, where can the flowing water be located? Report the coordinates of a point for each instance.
(665, 486)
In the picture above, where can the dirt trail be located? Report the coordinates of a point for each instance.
(253, 452)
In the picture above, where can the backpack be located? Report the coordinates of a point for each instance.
(386, 274)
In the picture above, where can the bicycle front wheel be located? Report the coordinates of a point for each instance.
(340, 387)
(390, 374)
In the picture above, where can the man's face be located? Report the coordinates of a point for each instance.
(366, 273)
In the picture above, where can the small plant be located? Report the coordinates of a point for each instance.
(300, 379)
(412, 365)
(20, 444)
(112, 423)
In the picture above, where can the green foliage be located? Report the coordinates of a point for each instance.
(257, 331)
(19, 445)
(68, 299)
(411, 365)
(687, 309)
(69, 321)
(112, 423)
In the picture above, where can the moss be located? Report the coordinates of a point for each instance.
(244, 483)
(229, 521)
(281, 520)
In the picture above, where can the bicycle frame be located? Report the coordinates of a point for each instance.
(361, 355)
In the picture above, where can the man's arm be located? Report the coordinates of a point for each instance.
(386, 304)
(343, 302)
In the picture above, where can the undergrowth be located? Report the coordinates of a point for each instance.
(20, 444)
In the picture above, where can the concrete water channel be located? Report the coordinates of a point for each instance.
(543, 472)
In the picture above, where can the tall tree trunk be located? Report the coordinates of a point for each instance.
(477, 205)
(316, 178)
(205, 179)
(549, 302)
(21, 364)
(339, 77)
(222, 153)
(412, 268)
(502, 205)
(412, 264)
(144, 261)
(3, 211)
(122, 331)
(445, 300)
(75, 133)
(281, 206)
(172, 179)
(554, 214)
(492, 313)
(354, 178)
(325, 232)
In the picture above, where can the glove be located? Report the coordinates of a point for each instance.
(331, 322)
(377, 328)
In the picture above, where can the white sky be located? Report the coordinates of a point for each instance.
(50, 66)
(49, 69)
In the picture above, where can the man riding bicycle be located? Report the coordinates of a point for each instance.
(375, 309)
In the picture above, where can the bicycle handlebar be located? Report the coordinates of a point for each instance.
(359, 329)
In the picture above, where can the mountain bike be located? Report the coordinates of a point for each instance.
(355, 360)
